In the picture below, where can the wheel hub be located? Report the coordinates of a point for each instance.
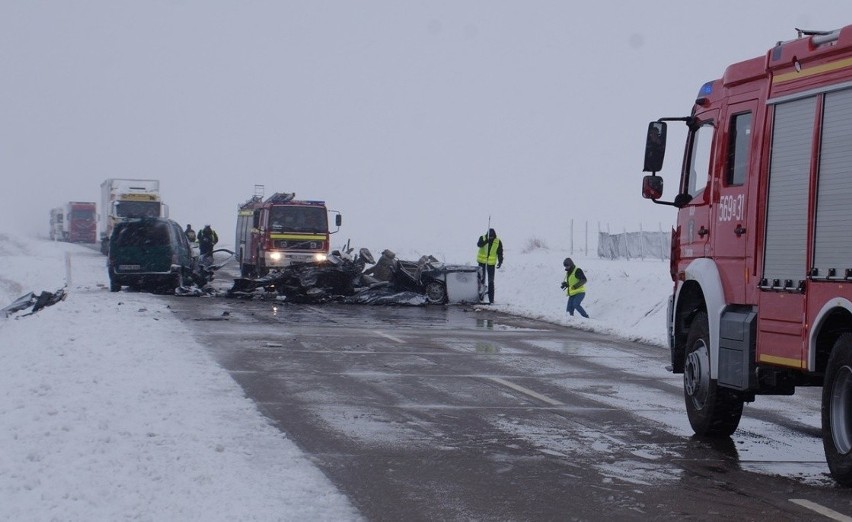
(435, 293)
(841, 410)
(696, 374)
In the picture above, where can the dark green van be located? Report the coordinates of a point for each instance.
(151, 254)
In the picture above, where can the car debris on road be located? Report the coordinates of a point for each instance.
(342, 278)
(37, 302)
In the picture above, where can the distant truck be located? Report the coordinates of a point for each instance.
(57, 216)
(80, 223)
(75, 222)
(280, 231)
(123, 199)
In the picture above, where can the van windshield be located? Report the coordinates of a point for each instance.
(143, 234)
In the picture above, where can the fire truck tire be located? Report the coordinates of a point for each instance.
(837, 411)
(712, 411)
(247, 271)
(436, 293)
(257, 268)
(114, 286)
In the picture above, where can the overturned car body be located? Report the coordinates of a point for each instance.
(341, 278)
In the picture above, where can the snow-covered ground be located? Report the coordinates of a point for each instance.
(111, 410)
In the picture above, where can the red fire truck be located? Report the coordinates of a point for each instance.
(761, 254)
(280, 231)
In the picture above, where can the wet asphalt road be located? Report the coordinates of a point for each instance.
(456, 413)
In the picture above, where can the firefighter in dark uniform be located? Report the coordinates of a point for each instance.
(489, 257)
(207, 239)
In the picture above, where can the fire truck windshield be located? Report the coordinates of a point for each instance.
(295, 218)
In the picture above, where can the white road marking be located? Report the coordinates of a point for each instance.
(317, 310)
(389, 336)
(822, 510)
(526, 391)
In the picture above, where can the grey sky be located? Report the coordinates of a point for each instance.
(417, 120)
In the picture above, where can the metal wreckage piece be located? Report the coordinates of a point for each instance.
(202, 273)
(341, 278)
(37, 302)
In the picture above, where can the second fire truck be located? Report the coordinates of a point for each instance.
(281, 230)
(762, 250)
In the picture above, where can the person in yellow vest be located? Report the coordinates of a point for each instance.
(575, 287)
(490, 256)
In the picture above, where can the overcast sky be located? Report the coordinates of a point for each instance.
(417, 120)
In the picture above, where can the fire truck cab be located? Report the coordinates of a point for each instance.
(281, 230)
(761, 253)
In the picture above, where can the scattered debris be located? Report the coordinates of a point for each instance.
(202, 273)
(342, 278)
(37, 302)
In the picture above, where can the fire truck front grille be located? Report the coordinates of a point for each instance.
(290, 244)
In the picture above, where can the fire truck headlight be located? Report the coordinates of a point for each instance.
(275, 256)
(320, 257)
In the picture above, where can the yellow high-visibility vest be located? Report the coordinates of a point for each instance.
(486, 256)
(571, 279)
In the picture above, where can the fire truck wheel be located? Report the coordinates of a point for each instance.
(260, 268)
(837, 411)
(436, 293)
(246, 270)
(114, 286)
(712, 411)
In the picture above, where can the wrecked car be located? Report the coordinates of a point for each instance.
(341, 277)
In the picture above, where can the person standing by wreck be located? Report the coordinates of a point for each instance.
(207, 238)
(489, 257)
(190, 234)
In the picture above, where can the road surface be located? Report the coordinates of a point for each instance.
(463, 413)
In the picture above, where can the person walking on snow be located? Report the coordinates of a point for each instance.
(490, 254)
(575, 287)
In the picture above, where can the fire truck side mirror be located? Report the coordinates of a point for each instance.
(652, 187)
(255, 220)
(338, 220)
(655, 146)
